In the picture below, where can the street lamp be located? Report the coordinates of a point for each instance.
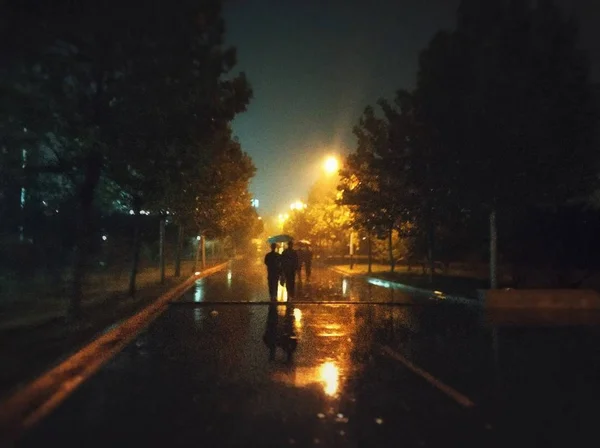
(331, 165)
(298, 205)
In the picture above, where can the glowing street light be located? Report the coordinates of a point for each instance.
(331, 165)
(298, 205)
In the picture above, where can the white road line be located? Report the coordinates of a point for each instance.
(452, 393)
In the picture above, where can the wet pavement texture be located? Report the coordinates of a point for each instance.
(213, 370)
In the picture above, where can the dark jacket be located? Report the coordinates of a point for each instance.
(289, 260)
(273, 262)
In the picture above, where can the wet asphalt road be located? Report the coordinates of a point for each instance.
(360, 374)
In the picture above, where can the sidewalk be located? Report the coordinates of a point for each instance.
(34, 341)
(101, 290)
(451, 286)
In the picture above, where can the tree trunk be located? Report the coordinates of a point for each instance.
(161, 250)
(391, 249)
(197, 257)
(370, 253)
(430, 250)
(93, 168)
(179, 248)
(203, 243)
(137, 244)
(493, 251)
(351, 250)
(23, 198)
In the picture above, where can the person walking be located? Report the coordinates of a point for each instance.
(308, 262)
(300, 253)
(273, 263)
(289, 266)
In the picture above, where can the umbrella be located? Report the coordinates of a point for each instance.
(279, 239)
(304, 243)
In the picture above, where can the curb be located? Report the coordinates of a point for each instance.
(438, 295)
(34, 401)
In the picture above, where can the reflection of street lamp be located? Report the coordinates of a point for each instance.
(331, 165)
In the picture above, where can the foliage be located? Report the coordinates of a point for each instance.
(507, 102)
(323, 221)
(121, 105)
(503, 118)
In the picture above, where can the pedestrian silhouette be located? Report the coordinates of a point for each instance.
(289, 266)
(307, 257)
(300, 253)
(273, 263)
(283, 336)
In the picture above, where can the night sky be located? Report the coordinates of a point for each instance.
(314, 65)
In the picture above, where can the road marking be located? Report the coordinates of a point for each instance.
(452, 393)
(294, 302)
(33, 402)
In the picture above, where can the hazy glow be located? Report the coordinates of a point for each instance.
(104, 238)
(331, 165)
(377, 282)
(329, 374)
(199, 292)
(297, 205)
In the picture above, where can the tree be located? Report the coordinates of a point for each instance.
(132, 92)
(374, 180)
(323, 221)
(508, 105)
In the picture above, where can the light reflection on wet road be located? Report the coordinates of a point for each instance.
(203, 373)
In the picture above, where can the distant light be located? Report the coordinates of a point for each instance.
(197, 273)
(104, 237)
(331, 165)
(198, 238)
(260, 218)
(297, 205)
(44, 202)
(131, 212)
